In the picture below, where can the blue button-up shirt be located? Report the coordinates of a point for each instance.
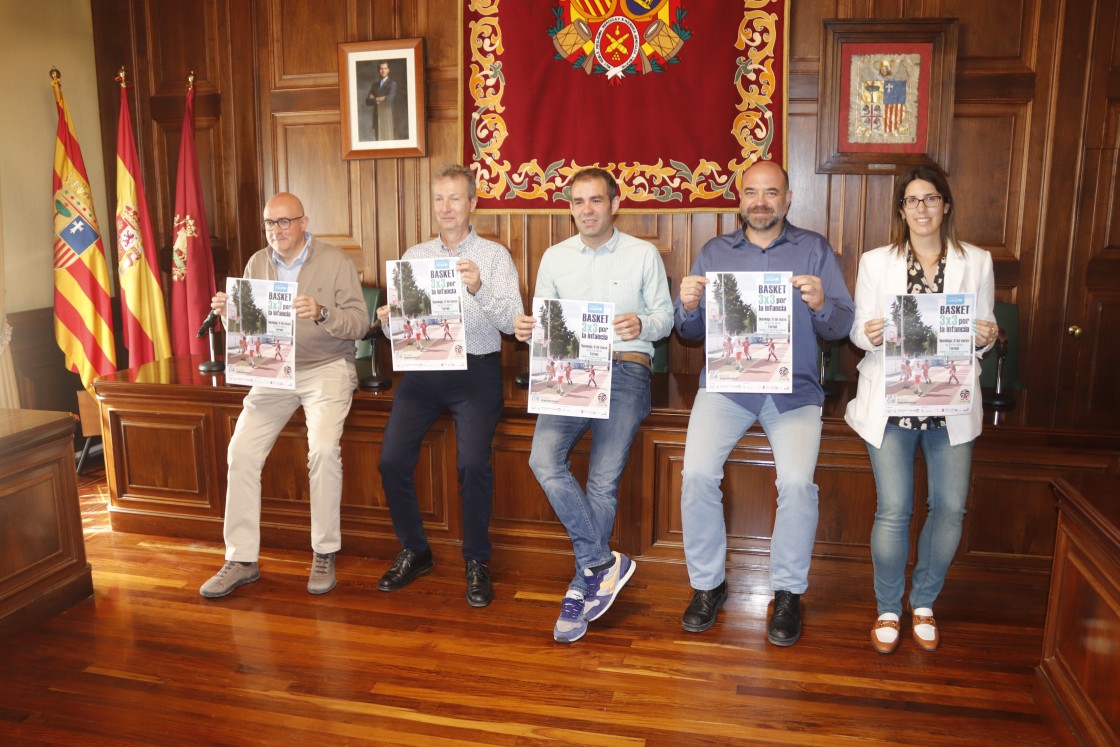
(798, 251)
(290, 273)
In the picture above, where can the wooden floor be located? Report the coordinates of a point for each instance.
(148, 661)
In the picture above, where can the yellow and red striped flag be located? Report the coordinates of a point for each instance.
(144, 316)
(192, 265)
(83, 315)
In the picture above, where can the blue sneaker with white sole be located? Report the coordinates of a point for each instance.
(603, 587)
(570, 626)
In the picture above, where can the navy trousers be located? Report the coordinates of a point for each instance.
(474, 399)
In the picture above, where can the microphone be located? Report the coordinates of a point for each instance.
(372, 333)
(208, 323)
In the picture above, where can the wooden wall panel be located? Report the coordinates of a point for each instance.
(169, 24)
(988, 149)
(302, 42)
(307, 164)
(978, 47)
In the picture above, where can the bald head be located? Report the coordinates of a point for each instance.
(285, 207)
(769, 170)
(284, 201)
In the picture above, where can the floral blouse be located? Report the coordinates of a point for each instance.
(916, 283)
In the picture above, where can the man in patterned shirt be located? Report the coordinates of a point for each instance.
(491, 301)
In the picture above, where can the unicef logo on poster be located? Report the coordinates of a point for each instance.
(619, 37)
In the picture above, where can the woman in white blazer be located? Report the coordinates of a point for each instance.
(924, 256)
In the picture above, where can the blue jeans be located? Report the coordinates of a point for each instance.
(948, 469)
(589, 515)
(714, 428)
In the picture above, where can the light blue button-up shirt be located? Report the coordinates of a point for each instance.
(625, 271)
(290, 273)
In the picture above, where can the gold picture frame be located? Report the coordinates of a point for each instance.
(381, 90)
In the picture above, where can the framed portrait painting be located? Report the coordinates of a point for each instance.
(886, 95)
(381, 98)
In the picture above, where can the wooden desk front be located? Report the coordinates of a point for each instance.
(43, 568)
(167, 427)
(1078, 677)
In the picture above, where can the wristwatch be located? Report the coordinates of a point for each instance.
(324, 314)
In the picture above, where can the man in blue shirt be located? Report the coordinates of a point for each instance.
(600, 263)
(792, 422)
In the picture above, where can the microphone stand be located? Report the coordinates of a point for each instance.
(1000, 400)
(217, 363)
(375, 380)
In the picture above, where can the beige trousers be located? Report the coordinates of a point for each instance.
(325, 393)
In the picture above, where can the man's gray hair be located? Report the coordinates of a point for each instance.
(454, 170)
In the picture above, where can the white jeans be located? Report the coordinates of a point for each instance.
(325, 393)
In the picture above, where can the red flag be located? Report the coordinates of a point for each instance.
(192, 268)
(83, 316)
(144, 315)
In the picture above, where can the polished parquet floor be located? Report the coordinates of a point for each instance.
(147, 661)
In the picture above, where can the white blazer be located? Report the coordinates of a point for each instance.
(883, 272)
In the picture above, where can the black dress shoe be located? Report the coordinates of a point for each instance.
(701, 612)
(408, 567)
(785, 619)
(479, 591)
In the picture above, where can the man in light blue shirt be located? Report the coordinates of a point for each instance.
(599, 264)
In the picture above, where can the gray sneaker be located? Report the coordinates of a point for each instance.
(322, 574)
(232, 575)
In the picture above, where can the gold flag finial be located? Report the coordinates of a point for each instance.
(121, 77)
(55, 75)
(190, 81)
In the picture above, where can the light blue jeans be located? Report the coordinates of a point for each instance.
(948, 468)
(589, 515)
(714, 428)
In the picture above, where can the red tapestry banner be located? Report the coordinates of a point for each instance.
(673, 97)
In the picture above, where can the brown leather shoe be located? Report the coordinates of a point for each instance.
(923, 643)
(884, 647)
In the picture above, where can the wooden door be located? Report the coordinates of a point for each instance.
(1088, 350)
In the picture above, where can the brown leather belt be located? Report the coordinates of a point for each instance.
(639, 358)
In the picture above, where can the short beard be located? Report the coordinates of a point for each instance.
(758, 223)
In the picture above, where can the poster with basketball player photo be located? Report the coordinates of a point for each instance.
(426, 315)
(570, 358)
(260, 333)
(749, 342)
(929, 354)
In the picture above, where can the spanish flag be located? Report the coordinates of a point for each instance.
(144, 315)
(83, 316)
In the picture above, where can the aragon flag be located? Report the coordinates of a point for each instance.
(192, 265)
(83, 315)
(144, 315)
